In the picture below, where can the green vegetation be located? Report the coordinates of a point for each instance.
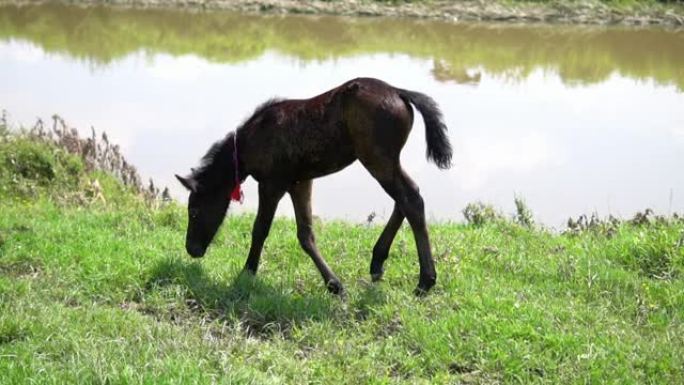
(96, 288)
(459, 51)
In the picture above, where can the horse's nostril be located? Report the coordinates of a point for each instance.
(195, 251)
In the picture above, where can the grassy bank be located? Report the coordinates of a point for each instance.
(95, 287)
(627, 12)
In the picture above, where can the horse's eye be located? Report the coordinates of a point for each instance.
(194, 213)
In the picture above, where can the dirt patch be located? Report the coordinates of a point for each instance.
(576, 12)
(12, 332)
(20, 269)
(459, 368)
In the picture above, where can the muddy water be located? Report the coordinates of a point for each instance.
(573, 119)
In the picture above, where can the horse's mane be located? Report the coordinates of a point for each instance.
(214, 161)
(258, 112)
(220, 155)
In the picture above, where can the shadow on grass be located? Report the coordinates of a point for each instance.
(260, 308)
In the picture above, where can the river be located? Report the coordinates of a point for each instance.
(574, 119)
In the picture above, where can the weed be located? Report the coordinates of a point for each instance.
(36, 156)
(523, 215)
(479, 213)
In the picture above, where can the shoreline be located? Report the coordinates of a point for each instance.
(590, 12)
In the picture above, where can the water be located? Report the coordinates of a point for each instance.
(574, 119)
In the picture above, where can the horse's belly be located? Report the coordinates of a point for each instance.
(323, 163)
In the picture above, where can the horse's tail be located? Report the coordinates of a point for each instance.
(438, 146)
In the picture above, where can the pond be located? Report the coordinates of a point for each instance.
(573, 119)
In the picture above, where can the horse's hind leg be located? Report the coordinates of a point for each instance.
(301, 200)
(406, 195)
(382, 246)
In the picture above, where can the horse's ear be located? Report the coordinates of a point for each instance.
(188, 182)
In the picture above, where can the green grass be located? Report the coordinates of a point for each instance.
(95, 291)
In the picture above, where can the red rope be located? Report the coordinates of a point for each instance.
(236, 194)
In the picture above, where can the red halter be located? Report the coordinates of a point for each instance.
(236, 194)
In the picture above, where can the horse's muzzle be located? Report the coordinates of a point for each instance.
(196, 251)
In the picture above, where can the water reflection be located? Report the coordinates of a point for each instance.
(568, 118)
(579, 55)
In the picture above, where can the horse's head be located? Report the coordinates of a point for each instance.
(210, 189)
(206, 210)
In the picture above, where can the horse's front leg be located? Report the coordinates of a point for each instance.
(269, 196)
(301, 200)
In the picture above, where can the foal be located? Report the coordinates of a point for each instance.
(285, 144)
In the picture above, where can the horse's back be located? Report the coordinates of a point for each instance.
(309, 138)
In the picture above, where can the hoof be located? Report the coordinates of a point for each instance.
(420, 292)
(376, 273)
(247, 271)
(335, 287)
(424, 285)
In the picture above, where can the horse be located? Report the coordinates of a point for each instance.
(287, 143)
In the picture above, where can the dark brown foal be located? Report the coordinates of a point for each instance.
(287, 143)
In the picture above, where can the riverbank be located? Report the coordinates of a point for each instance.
(566, 12)
(95, 287)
